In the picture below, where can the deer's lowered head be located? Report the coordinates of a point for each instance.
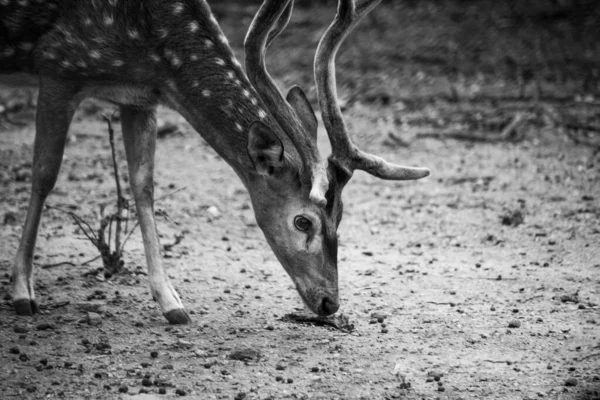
(295, 194)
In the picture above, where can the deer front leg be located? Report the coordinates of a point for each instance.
(56, 106)
(139, 135)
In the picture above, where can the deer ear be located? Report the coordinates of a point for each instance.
(304, 110)
(264, 148)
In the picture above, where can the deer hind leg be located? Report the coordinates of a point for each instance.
(139, 135)
(56, 105)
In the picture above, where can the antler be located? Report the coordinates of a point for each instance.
(270, 20)
(344, 152)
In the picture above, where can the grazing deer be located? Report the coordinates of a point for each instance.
(139, 54)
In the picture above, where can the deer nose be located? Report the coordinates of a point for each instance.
(328, 306)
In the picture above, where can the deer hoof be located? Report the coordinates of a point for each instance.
(26, 307)
(178, 316)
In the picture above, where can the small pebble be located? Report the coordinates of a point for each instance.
(571, 382)
(154, 354)
(94, 318)
(384, 330)
(280, 366)
(314, 369)
(162, 390)
(20, 329)
(279, 378)
(180, 392)
(146, 382)
(14, 350)
(43, 326)
(514, 324)
(290, 380)
(123, 389)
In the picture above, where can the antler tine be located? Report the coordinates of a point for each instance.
(270, 20)
(281, 24)
(344, 152)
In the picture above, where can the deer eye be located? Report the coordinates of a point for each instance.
(302, 223)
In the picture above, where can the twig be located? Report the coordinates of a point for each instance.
(129, 235)
(511, 129)
(91, 260)
(589, 356)
(533, 298)
(120, 200)
(48, 266)
(170, 194)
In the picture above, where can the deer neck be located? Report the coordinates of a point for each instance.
(208, 86)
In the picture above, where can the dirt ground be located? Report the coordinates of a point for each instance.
(481, 281)
(485, 275)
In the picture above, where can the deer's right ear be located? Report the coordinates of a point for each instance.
(304, 110)
(264, 148)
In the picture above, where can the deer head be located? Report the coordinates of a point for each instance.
(297, 196)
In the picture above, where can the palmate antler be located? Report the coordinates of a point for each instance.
(345, 153)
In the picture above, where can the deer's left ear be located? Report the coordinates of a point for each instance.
(304, 110)
(264, 148)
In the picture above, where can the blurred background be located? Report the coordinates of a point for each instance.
(453, 48)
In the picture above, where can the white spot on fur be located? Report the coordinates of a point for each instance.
(133, 34)
(162, 33)
(208, 43)
(87, 21)
(206, 93)
(95, 54)
(81, 64)
(237, 82)
(230, 75)
(246, 93)
(223, 39)
(113, 2)
(193, 26)
(238, 127)
(108, 20)
(195, 83)
(177, 8)
(171, 84)
(155, 57)
(65, 63)
(254, 101)
(236, 62)
(194, 57)
(49, 55)
(175, 61)
(219, 61)
(262, 114)
(118, 63)
(26, 46)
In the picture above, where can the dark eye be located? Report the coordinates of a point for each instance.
(302, 223)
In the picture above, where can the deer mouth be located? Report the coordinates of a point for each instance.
(321, 301)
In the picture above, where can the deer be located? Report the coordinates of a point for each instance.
(141, 54)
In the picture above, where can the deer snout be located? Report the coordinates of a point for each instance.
(328, 306)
